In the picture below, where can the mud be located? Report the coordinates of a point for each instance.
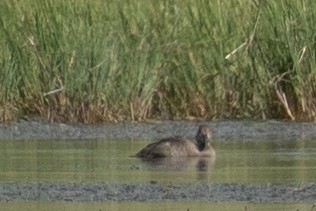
(156, 192)
(228, 130)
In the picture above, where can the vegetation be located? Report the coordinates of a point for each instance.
(94, 61)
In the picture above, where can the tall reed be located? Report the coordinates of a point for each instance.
(95, 61)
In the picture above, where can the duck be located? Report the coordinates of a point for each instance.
(181, 147)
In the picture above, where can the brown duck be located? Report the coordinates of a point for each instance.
(181, 147)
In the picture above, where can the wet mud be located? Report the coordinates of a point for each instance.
(88, 192)
(222, 129)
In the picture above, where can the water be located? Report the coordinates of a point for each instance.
(109, 160)
(153, 206)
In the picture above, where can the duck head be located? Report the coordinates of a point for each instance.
(202, 137)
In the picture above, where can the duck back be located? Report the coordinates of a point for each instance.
(181, 147)
(169, 147)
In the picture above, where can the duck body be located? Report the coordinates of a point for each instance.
(180, 147)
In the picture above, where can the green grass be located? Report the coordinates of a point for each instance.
(94, 61)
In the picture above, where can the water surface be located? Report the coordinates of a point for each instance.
(109, 160)
(102, 160)
(153, 206)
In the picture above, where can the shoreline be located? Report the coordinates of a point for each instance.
(222, 129)
(114, 191)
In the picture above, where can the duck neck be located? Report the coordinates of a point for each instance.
(201, 145)
(201, 141)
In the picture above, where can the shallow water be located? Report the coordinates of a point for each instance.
(154, 206)
(109, 160)
(81, 161)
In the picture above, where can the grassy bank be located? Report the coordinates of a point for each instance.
(96, 60)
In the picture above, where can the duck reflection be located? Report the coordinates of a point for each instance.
(181, 163)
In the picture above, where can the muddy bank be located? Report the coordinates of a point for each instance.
(88, 192)
(229, 130)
